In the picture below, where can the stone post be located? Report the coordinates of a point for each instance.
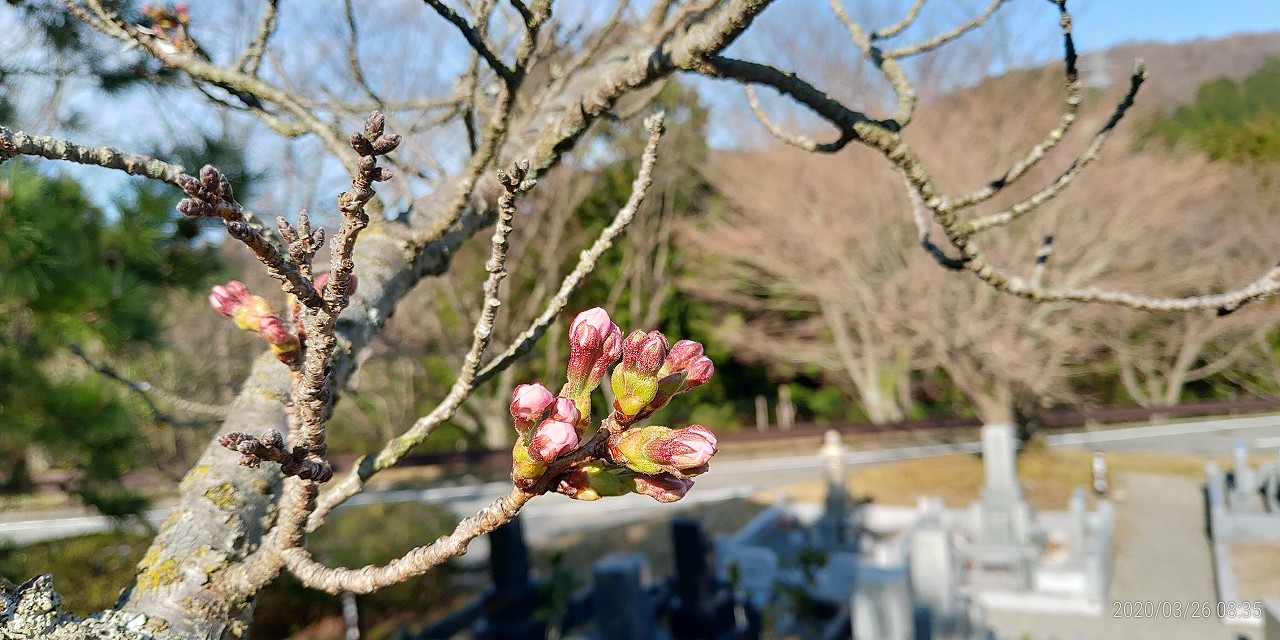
(762, 413)
(623, 609)
(999, 462)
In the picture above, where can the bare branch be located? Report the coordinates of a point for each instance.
(252, 56)
(353, 55)
(943, 38)
(1037, 153)
(475, 39)
(897, 27)
(415, 562)
(801, 142)
(18, 143)
(146, 390)
(1090, 154)
(270, 448)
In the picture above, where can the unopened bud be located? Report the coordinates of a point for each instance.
(657, 449)
(593, 481)
(228, 298)
(272, 329)
(553, 439)
(662, 487)
(525, 471)
(528, 403)
(594, 345)
(679, 357)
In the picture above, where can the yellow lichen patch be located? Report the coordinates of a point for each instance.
(155, 573)
(194, 475)
(223, 495)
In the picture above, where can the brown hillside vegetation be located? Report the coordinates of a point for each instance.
(821, 259)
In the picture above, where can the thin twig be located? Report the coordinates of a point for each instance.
(1064, 180)
(266, 27)
(1038, 152)
(146, 390)
(414, 563)
(353, 55)
(397, 448)
(474, 38)
(801, 142)
(897, 27)
(943, 38)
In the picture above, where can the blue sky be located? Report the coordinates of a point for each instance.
(1103, 23)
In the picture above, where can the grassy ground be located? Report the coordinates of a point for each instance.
(1048, 477)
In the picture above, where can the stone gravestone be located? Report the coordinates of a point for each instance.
(1244, 492)
(881, 606)
(1004, 517)
(833, 530)
(932, 568)
(624, 611)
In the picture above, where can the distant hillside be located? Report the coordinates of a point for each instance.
(1176, 70)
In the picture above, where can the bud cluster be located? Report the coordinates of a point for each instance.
(253, 313)
(655, 461)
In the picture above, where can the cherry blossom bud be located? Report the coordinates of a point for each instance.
(528, 403)
(553, 439)
(594, 345)
(272, 329)
(699, 371)
(250, 314)
(657, 449)
(635, 382)
(227, 299)
(685, 448)
(679, 357)
(663, 487)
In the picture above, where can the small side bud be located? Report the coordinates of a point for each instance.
(662, 487)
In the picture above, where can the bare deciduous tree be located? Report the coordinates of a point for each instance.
(528, 85)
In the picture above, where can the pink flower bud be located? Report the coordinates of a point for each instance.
(596, 318)
(610, 349)
(528, 403)
(272, 329)
(565, 410)
(663, 487)
(594, 344)
(226, 299)
(699, 371)
(679, 357)
(684, 449)
(656, 449)
(651, 353)
(553, 439)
